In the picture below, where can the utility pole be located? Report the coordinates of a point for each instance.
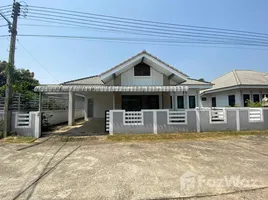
(10, 66)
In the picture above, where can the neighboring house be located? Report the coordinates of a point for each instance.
(140, 82)
(236, 88)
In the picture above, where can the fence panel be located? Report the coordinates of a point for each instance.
(177, 117)
(23, 120)
(133, 118)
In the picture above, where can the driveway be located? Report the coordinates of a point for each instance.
(94, 169)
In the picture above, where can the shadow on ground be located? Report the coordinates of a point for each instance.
(93, 127)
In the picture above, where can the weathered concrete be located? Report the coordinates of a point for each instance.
(90, 169)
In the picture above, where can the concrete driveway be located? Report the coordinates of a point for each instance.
(57, 168)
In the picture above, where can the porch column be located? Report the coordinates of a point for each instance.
(86, 109)
(199, 103)
(185, 94)
(71, 109)
(40, 102)
(173, 101)
(113, 101)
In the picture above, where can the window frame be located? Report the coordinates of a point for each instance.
(258, 98)
(190, 96)
(142, 67)
(212, 101)
(233, 104)
(183, 104)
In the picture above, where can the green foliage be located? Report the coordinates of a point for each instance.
(254, 104)
(202, 80)
(45, 125)
(23, 80)
(1, 128)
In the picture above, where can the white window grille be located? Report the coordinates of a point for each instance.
(217, 116)
(133, 118)
(255, 115)
(23, 120)
(177, 117)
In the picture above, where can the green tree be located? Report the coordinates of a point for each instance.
(23, 81)
(202, 80)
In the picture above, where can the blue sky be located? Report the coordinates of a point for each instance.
(72, 59)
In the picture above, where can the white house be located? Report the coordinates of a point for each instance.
(140, 82)
(236, 88)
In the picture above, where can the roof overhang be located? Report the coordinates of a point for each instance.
(210, 91)
(147, 59)
(88, 88)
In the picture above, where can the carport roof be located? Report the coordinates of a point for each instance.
(95, 88)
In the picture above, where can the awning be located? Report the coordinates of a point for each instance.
(94, 88)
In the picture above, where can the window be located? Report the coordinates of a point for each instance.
(246, 98)
(204, 98)
(170, 100)
(256, 98)
(142, 69)
(192, 102)
(231, 100)
(180, 102)
(214, 103)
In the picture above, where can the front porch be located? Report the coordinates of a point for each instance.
(98, 99)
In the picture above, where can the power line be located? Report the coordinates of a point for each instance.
(150, 26)
(37, 61)
(149, 22)
(156, 30)
(149, 31)
(134, 39)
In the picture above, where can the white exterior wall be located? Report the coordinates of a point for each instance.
(61, 116)
(128, 78)
(190, 92)
(222, 99)
(101, 101)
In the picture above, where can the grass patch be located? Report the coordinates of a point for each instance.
(19, 139)
(180, 136)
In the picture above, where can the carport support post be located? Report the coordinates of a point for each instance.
(86, 109)
(71, 109)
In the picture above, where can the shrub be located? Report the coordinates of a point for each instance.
(254, 104)
(45, 126)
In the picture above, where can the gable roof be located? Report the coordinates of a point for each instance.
(91, 80)
(239, 78)
(137, 55)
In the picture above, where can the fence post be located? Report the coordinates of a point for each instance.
(198, 126)
(111, 121)
(237, 120)
(155, 121)
(38, 124)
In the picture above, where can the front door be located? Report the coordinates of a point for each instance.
(90, 108)
(138, 102)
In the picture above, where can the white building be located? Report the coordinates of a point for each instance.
(235, 89)
(140, 82)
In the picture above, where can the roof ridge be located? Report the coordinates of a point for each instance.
(149, 54)
(220, 76)
(198, 80)
(236, 77)
(79, 79)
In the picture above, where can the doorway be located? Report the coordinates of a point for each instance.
(138, 102)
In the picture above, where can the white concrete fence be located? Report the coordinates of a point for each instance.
(29, 123)
(194, 120)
